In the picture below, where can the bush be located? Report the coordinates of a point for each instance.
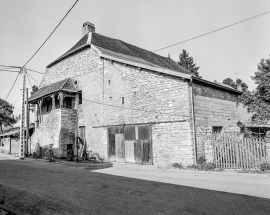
(206, 166)
(201, 160)
(265, 167)
(177, 165)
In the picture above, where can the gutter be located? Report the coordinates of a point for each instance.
(193, 120)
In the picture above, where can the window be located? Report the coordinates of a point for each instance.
(109, 81)
(216, 129)
(80, 97)
(123, 100)
(82, 131)
(68, 102)
(48, 105)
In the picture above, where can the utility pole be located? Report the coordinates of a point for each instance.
(22, 138)
(27, 124)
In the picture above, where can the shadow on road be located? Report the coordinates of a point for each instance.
(66, 189)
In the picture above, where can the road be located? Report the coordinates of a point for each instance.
(31, 187)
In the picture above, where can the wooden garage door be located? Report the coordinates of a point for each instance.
(138, 144)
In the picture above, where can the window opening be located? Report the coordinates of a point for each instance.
(80, 97)
(82, 131)
(216, 129)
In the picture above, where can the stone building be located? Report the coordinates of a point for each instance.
(130, 104)
(10, 140)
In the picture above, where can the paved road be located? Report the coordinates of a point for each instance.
(58, 188)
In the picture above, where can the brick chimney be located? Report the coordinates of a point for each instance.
(87, 27)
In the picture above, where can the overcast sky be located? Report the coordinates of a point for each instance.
(149, 24)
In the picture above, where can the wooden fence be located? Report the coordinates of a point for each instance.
(239, 153)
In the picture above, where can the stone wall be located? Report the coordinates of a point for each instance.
(48, 131)
(172, 143)
(114, 93)
(215, 108)
(58, 129)
(68, 125)
(6, 148)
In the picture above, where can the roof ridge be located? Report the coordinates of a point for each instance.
(55, 82)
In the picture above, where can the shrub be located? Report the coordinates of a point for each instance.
(265, 166)
(177, 165)
(206, 166)
(201, 160)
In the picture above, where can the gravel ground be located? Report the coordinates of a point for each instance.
(32, 187)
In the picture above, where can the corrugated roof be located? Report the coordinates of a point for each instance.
(64, 85)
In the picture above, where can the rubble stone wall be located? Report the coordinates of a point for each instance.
(215, 108)
(178, 137)
(67, 132)
(58, 129)
(114, 93)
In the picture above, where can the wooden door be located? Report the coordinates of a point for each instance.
(129, 151)
(119, 147)
(144, 146)
(111, 147)
(138, 151)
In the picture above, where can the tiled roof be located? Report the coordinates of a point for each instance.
(64, 85)
(14, 132)
(123, 50)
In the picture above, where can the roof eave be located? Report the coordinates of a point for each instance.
(216, 85)
(141, 65)
(67, 55)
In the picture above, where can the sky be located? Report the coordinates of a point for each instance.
(148, 24)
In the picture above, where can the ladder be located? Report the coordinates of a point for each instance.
(22, 137)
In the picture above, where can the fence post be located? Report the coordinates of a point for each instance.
(267, 146)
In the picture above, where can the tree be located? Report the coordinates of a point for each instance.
(6, 115)
(34, 89)
(187, 62)
(239, 82)
(258, 101)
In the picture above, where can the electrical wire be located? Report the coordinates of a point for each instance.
(17, 99)
(33, 78)
(253, 17)
(17, 67)
(35, 71)
(29, 80)
(5, 70)
(51, 33)
(12, 85)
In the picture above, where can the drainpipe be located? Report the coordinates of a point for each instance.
(193, 121)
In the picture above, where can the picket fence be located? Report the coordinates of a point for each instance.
(239, 153)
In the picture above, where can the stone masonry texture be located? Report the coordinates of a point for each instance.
(130, 95)
(58, 129)
(215, 108)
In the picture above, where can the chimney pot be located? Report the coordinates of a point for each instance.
(88, 27)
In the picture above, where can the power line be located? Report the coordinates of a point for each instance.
(32, 78)
(253, 17)
(12, 85)
(29, 80)
(17, 99)
(51, 33)
(5, 70)
(17, 67)
(35, 71)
